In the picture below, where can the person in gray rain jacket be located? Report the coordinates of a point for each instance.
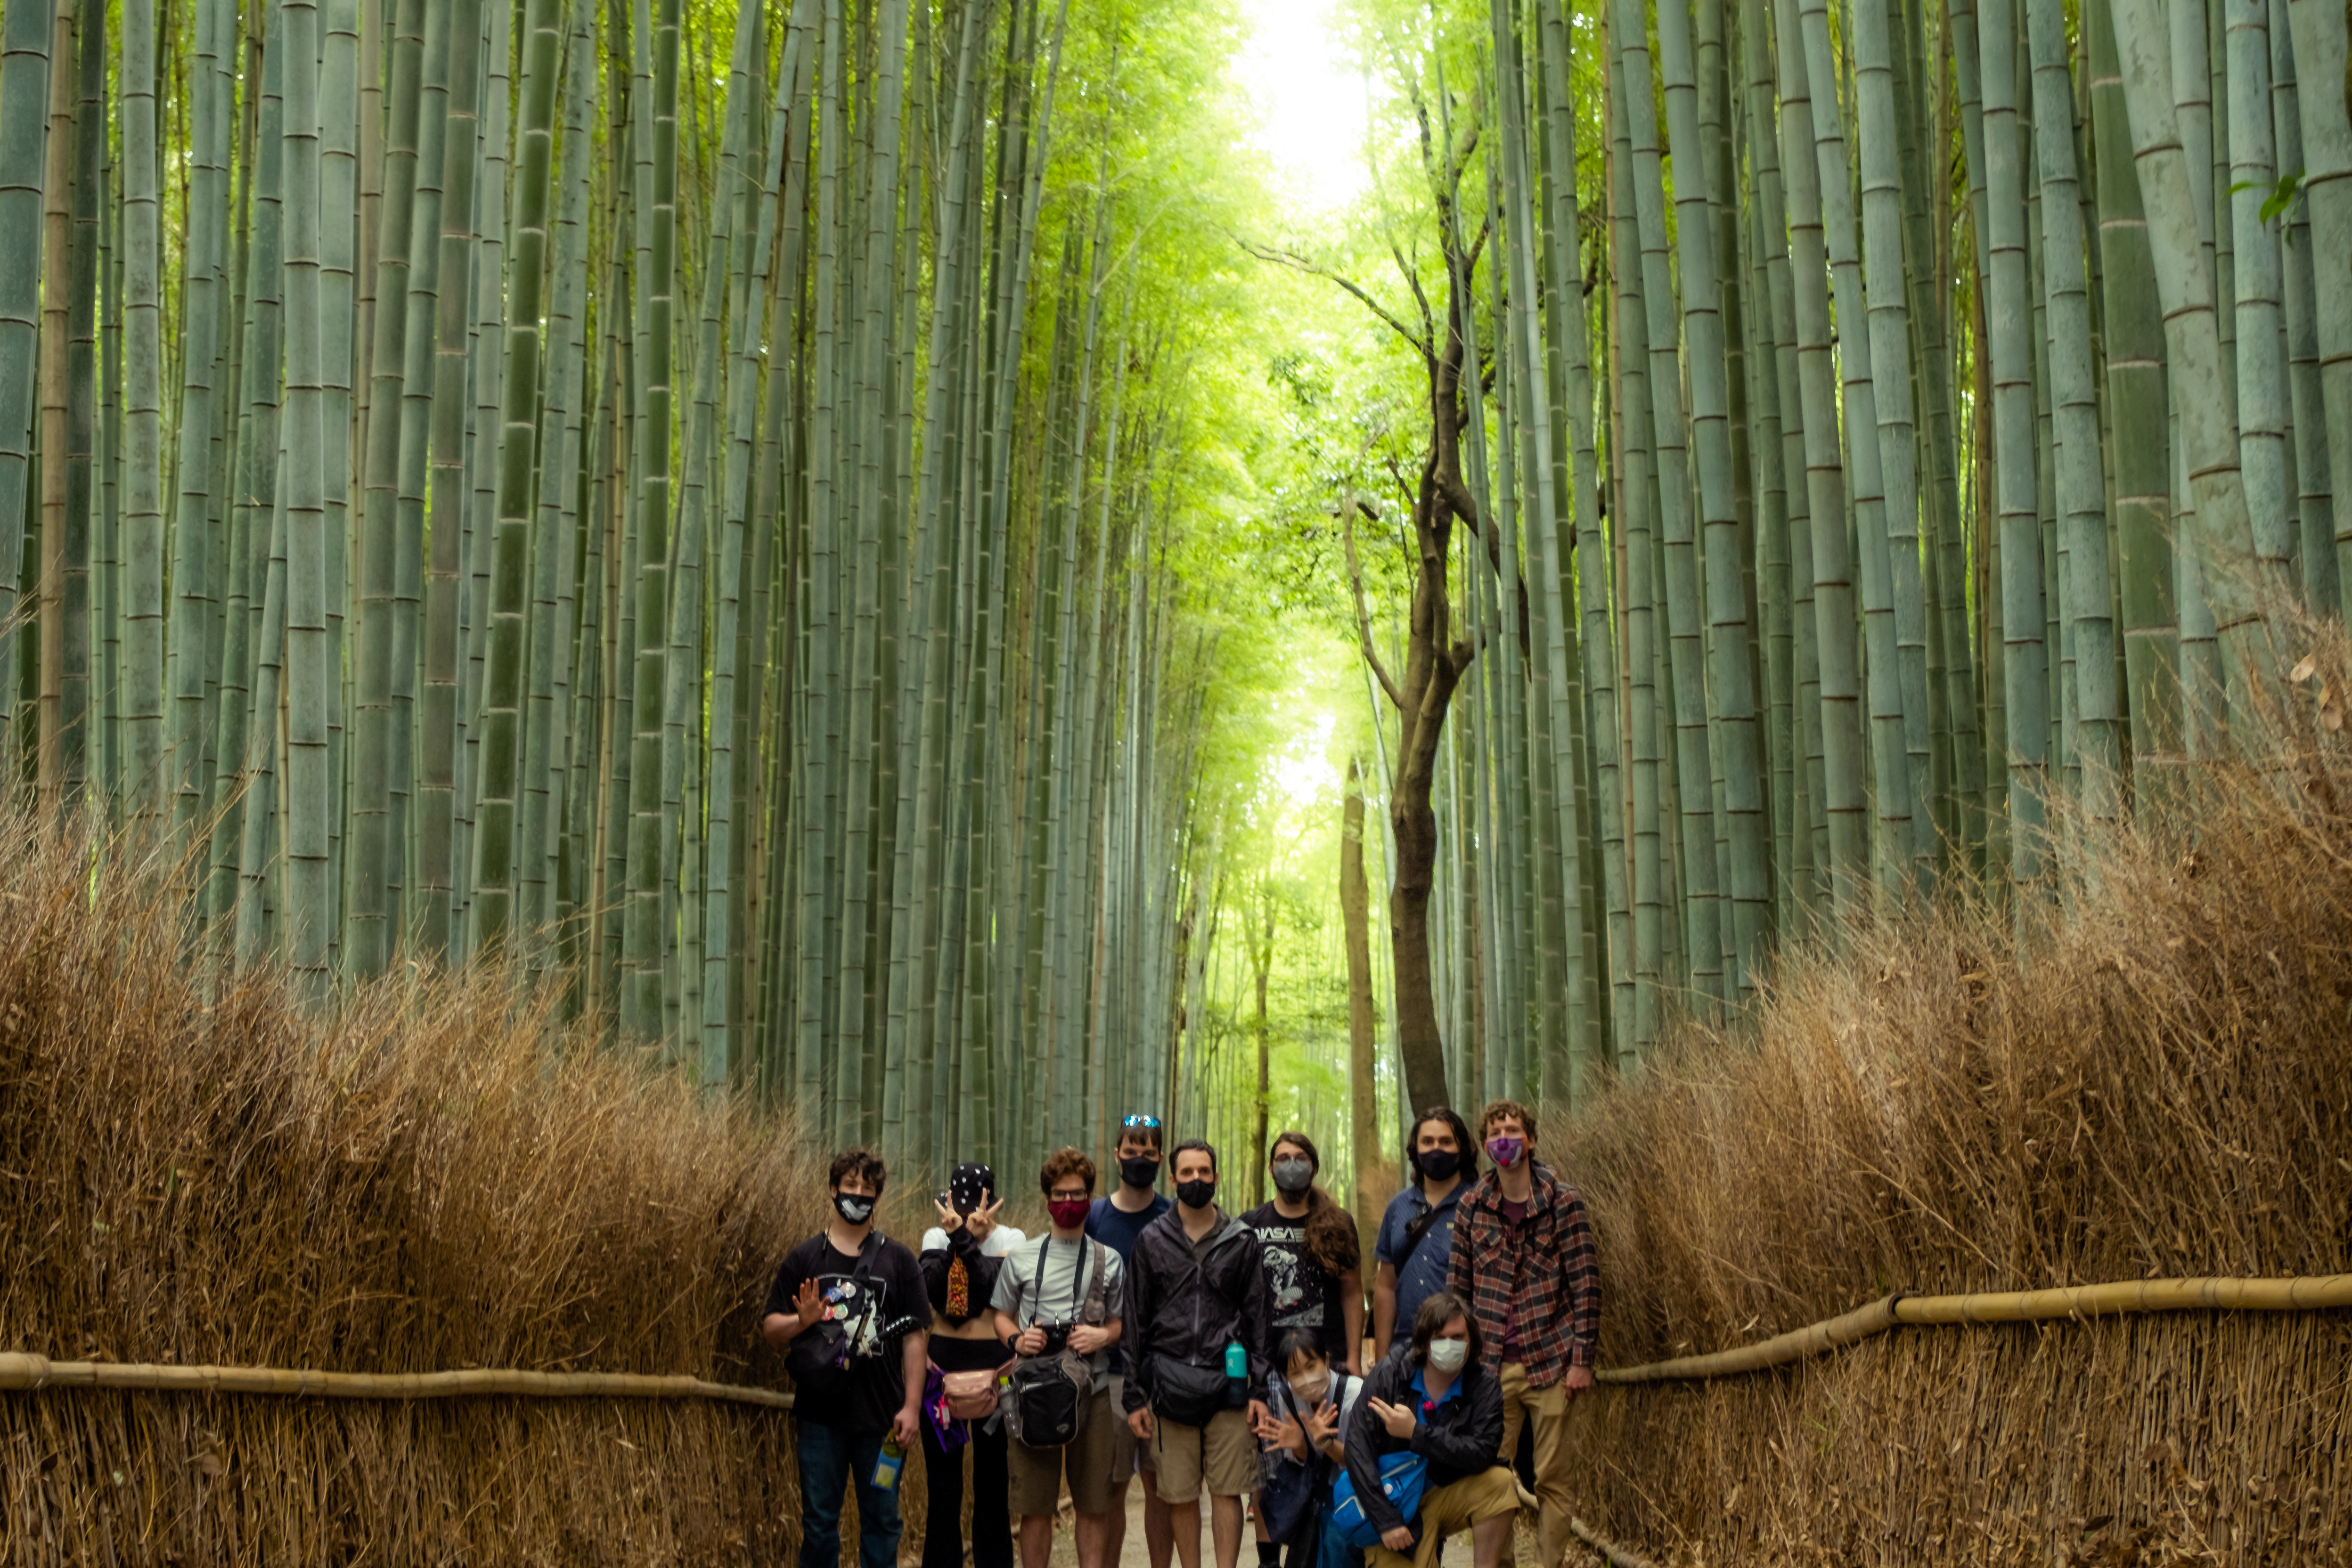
(1196, 1329)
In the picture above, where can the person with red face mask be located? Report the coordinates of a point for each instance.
(1064, 1296)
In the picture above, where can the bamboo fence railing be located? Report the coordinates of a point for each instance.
(2303, 1294)
(22, 1372)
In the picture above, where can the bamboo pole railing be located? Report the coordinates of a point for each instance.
(23, 1372)
(1608, 1551)
(2308, 1293)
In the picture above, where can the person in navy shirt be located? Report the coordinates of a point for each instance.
(1116, 1221)
(1416, 1239)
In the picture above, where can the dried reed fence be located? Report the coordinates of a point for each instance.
(192, 1173)
(2163, 1087)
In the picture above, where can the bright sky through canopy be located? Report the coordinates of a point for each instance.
(1310, 98)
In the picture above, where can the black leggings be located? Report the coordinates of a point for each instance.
(991, 1496)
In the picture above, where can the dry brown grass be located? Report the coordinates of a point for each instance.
(195, 1173)
(2163, 1087)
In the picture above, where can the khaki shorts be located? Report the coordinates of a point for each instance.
(1126, 1455)
(1221, 1458)
(1452, 1508)
(1036, 1473)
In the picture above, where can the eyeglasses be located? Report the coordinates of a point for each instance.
(1150, 1121)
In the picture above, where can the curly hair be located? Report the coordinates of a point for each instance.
(1499, 1109)
(1065, 1163)
(1331, 1237)
(862, 1163)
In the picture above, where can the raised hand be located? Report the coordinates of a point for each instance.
(1321, 1424)
(1400, 1419)
(984, 1219)
(948, 1219)
(808, 1305)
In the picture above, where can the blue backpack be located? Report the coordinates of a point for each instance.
(1403, 1477)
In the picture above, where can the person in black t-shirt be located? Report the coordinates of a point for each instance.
(851, 1304)
(1314, 1271)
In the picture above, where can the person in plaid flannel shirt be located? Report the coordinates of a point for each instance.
(1523, 1259)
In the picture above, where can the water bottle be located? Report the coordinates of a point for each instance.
(1236, 1375)
(887, 1468)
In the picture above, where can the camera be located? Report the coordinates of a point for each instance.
(1058, 1338)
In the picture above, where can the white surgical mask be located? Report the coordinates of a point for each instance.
(1311, 1388)
(1448, 1355)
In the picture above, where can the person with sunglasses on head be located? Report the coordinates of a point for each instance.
(1115, 1220)
(1415, 1247)
(1065, 1297)
(962, 1257)
(1196, 1305)
(1437, 1402)
(850, 1304)
(1525, 1261)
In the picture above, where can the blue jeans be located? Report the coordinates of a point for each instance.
(829, 1460)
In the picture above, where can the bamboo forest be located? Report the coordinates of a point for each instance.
(750, 577)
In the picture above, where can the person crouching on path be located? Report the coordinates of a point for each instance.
(1067, 1292)
(1439, 1401)
(1196, 1303)
(850, 1304)
(962, 1258)
(1524, 1260)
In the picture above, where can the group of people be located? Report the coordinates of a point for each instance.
(1201, 1352)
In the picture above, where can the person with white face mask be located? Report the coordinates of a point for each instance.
(1441, 1406)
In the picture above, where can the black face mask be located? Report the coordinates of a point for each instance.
(1196, 1193)
(1140, 1169)
(853, 1207)
(1438, 1164)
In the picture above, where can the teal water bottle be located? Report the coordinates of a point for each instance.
(887, 1468)
(1236, 1375)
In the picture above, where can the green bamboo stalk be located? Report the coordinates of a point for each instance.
(1836, 625)
(1693, 751)
(207, 295)
(1711, 381)
(496, 841)
(367, 912)
(2082, 497)
(24, 41)
(2321, 60)
(2223, 532)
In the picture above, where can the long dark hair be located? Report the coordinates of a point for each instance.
(1437, 1310)
(1330, 1239)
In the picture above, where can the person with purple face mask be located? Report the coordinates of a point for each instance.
(1525, 1261)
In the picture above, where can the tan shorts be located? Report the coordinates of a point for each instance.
(1036, 1473)
(1126, 1455)
(1452, 1508)
(1221, 1458)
